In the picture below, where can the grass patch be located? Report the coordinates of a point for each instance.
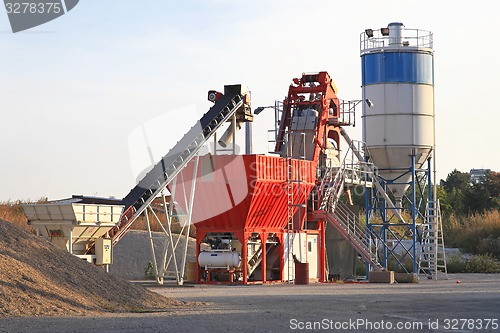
(477, 234)
(12, 211)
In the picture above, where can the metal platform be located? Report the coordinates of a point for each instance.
(72, 224)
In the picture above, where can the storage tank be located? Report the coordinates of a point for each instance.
(213, 259)
(398, 83)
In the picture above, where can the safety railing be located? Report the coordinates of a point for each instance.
(409, 38)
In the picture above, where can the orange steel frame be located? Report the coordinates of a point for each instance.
(323, 87)
(243, 237)
(325, 99)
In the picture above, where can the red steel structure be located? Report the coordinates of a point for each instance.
(315, 91)
(246, 195)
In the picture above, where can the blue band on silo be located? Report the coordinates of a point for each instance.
(397, 67)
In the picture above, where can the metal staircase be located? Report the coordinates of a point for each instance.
(256, 258)
(337, 213)
(432, 253)
(345, 221)
(141, 196)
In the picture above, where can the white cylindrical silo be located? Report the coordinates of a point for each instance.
(398, 78)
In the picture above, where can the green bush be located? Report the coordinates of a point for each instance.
(456, 264)
(149, 271)
(360, 268)
(482, 263)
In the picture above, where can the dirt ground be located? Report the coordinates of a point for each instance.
(285, 308)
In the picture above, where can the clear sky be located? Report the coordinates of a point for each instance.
(76, 93)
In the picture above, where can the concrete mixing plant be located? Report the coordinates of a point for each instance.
(288, 216)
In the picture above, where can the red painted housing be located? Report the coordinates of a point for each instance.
(244, 192)
(245, 195)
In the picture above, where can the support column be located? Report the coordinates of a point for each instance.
(414, 213)
(263, 265)
(322, 254)
(385, 226)
(244, 259)
(70, 240)
(248, 138)
(199, 237)
(368, 207)
(282, 256)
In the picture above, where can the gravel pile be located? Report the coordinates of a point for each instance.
(37, 278)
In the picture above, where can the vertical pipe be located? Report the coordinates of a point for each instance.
(70, 240)
(367, 216)
(434, 195)
(248, 138)
(429, 181)
(215, 143)
(434, 131)
(233, 126)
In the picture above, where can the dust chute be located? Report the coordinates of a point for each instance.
(228, 135)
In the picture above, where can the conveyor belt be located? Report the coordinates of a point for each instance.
(171, 164)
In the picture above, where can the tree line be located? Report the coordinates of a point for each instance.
(460, 195)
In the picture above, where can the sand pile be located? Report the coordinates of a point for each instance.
(36, 278)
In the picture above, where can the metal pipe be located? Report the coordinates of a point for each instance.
(228, 135)
(70, 243)
(248, 138)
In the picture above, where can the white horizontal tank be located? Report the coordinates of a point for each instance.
(214, 259)
(398, 78)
